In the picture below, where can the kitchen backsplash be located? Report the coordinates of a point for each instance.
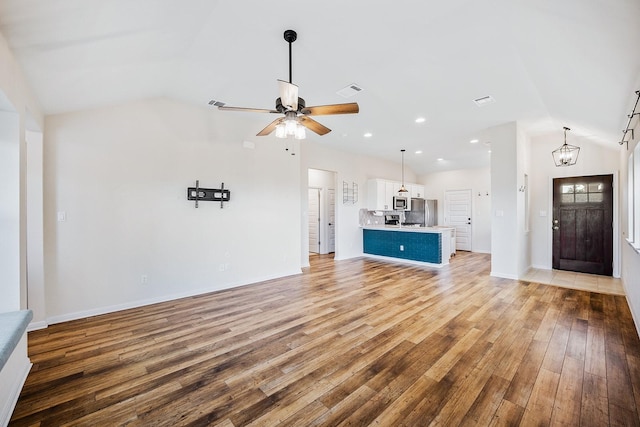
(368, 218)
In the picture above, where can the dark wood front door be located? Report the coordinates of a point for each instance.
(583, 224)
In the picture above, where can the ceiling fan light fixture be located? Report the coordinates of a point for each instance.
(567, 154)
(296, 118)
(301, 133)
(290, 127)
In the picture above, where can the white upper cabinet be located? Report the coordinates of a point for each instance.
(380, 193)
(417, 190)
(377, 199)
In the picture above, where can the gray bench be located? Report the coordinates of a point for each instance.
(12, 327)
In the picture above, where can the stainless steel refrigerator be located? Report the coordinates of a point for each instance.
(423, 212)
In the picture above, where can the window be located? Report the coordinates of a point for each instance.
(630, 191)
(633, 212)
(583, 193)
(636, 197)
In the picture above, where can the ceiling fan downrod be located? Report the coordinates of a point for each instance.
(290, 36)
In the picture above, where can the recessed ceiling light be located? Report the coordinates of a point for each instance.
(419, 152)
(481, 102)
(368, 135)
(421, 120)
(440, 159)
(489, 151)
(474, 141)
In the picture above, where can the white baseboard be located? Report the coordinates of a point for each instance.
(541, 267)
(480, 251)
(404, 261)
(163, 298)
(34, 326)
(503, 275)
(12, 377)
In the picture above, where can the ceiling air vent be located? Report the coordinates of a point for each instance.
(481, 102)
(216, 103)
(349, 91)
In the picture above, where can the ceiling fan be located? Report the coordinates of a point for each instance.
(296, 113)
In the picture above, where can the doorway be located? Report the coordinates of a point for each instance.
(322, 211)
(314, 220)
(583, 224)
(331, 218)
(457, 214)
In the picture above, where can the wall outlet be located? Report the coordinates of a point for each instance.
(401, 248)
(144, 279)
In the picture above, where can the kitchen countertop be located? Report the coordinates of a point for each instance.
(408, 228)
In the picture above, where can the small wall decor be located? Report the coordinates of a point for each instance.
(629, 128)
(349, 195)
(208, 194)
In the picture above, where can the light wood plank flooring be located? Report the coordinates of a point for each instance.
(355, 342)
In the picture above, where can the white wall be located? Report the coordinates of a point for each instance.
(17, 107)
(630, 271)
(505, 234)
(35, 229)
(523, 233)
(121, 174)
(479, 182)
(10, 219)
(594, 159)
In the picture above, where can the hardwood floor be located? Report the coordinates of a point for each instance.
(356, 342)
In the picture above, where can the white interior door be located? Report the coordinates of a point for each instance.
(457, 213)
(331, 225)
(314, 220)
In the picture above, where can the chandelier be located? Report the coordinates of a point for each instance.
(567, 155)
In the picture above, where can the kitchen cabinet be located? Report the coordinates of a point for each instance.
(380, 193)
(416, 190)
(390, 191)
(423, 245)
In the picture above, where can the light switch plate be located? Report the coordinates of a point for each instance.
(62, 216)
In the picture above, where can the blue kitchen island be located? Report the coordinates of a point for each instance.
(429, 246)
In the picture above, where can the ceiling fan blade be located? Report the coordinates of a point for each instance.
(288, 95)
(270, 127)
(314, 126)
(323, 110)
(248, 110)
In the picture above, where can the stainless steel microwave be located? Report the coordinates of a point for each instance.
(400, 203)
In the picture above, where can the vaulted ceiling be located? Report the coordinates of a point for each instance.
(545, 63)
